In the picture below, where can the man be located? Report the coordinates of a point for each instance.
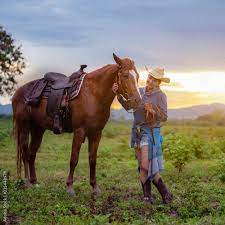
(146, 137)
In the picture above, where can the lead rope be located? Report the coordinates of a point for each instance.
(153, 142)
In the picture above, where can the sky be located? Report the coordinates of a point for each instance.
(185, 37)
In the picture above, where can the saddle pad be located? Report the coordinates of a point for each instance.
(74, 91)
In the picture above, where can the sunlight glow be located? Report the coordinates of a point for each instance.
(188, 89)
(205, 82)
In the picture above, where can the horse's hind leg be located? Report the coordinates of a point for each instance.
(93, 142)
(78, 138)
(36, 139)
(24, 140)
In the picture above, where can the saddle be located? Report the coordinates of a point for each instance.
(58, 89)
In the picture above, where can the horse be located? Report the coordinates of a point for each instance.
(90, 111)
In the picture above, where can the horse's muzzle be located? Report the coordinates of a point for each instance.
(135, 102)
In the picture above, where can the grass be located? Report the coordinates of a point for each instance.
(199, 192)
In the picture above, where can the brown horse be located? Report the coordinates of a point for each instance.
(90, 111)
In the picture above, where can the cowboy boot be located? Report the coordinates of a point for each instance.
(147, 191)
(167, 197)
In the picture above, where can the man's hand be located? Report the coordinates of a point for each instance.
(115, 88)
(150, 112)
(149, 108)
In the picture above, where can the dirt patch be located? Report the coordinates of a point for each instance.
(12, 219)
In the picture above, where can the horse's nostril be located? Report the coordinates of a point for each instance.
(137, 101)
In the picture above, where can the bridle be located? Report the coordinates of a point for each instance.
(121, 90)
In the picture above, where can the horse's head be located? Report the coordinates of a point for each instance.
(127, 80)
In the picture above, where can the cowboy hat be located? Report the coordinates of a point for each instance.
(158, 73)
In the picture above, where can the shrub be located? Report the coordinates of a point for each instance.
(178, 149)
(221, 170)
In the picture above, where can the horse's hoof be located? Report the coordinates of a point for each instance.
(36, 185)
(96, 190)
(71, 192)
(27, 184)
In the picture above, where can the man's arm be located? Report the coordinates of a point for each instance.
(157, 112)
(120, 98)
(161, 108)
(123, 102)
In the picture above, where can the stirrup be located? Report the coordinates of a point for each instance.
(57, 126)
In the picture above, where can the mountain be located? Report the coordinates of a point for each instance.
(181, 113)
(6, 109)
(194, 111)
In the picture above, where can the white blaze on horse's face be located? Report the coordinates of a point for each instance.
(135, 77)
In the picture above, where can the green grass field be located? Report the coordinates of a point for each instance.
(199, 189)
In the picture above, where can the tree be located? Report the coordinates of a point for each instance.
(11, 62)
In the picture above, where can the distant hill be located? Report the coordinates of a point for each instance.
(6, 109)
(192, 112)
(216, 117)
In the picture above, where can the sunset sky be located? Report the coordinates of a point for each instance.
(185, 37)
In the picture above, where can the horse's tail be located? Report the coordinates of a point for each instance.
(19, 149)
(19, 127)
(21, 123)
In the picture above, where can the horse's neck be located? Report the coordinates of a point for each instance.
(102, 81)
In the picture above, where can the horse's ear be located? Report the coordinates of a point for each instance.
(117, 59)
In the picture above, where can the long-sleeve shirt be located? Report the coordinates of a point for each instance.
(158, 100)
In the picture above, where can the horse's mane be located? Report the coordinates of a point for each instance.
(103, 70)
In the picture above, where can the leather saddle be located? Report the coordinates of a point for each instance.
(58, 89)
(57, 80)
(61, 81)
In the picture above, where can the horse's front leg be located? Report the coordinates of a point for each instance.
(93, 142)
(78, 138)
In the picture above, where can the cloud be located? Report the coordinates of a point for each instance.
(179, 35)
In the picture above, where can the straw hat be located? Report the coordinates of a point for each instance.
(158, 73)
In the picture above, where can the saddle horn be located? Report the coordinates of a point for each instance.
(82, 67)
